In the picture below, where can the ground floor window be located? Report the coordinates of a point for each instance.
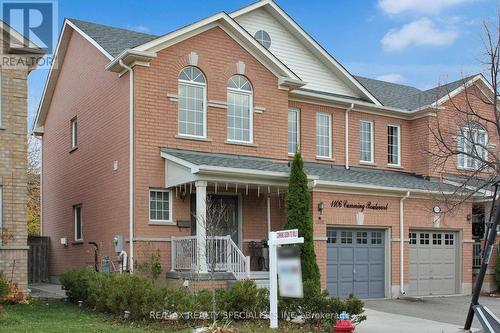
(160, 206)
(77, 210)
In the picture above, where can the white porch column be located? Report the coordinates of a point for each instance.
(201, 234)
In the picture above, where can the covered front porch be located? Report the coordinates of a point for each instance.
(252, 201)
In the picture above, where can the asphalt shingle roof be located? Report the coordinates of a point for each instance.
(407, 97)
(113, 40)
(326, 172)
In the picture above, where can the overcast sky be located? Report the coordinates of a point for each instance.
(415, 42)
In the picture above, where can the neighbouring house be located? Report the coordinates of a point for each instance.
(139, 131)
(18, 59)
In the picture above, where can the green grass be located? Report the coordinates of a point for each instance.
(57, 316)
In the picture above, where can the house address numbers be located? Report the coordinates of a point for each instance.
(359, 205)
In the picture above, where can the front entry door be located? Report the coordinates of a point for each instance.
(228, 219)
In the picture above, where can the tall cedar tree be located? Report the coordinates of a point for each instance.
(298, 216)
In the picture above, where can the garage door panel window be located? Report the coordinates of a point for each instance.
(449, 239)
(413, 237)
(346, 237)
(331, 237)
(362, 237)
(376, 237)
(424, 239)
(436, 239)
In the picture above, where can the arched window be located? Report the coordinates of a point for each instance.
(239, 109)
(192, 103)
(472, 141)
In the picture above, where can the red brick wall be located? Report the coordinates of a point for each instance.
(85, 176)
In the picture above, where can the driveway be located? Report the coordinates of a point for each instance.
(429, 314)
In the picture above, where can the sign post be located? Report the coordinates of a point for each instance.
(276, 239)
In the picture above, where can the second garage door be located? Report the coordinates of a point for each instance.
(356, 263)
(433, 263)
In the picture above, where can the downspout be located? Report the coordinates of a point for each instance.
(401, 243)
(347, 135)
(131, 167)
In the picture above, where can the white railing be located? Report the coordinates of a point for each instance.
(221, 252)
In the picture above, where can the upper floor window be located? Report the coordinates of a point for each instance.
(471, 145)
(394, 145)
(323, 135)
(74, 132)
(239, 109)
(366, 141)
(263, 38)
(293, 131)
(192, 103)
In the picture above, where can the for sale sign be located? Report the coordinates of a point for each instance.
(290, 272)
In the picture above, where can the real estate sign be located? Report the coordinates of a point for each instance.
(290, 272)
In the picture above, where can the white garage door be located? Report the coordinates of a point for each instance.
(433, 263)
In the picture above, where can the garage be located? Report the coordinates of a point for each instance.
(356, 262)
(433, 263)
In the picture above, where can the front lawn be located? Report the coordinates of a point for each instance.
(57, 316)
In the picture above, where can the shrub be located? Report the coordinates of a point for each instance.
(298, 216)
(4, 287)
(76, 283)
(151, 266)
(241, 297)
(317, 302)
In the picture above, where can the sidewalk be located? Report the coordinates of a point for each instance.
(395, 323)
(47, 291)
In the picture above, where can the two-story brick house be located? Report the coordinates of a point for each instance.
(139, 130)
(18, 58)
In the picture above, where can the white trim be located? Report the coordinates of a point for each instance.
(297, 112)
(317, 49)
(399, 145)
(329, 115)
(251, 111)
(88, 38)
(75, 209)
(372, 149)
(170, 221)
(205, 110)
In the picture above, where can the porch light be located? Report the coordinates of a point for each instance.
(126, 315)
(182, 195)
(80, 304)
(321, 207)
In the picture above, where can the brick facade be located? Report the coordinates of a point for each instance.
(13, 178)
(99, 100)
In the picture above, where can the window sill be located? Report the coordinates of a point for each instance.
(394, 166)
(372, 164)
(170, 223)
(73, 149)
(320, 158)
(77, 242)
(248, 144)
(194, 138)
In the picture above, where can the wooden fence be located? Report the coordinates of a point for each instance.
(38, 259)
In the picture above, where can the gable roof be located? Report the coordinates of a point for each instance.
(410, 98)
(112, 40)
(310, 43)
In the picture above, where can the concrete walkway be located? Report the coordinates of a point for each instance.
(378, 322)
(47, 291)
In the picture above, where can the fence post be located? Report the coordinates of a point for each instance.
(229, 266)
(247, 266)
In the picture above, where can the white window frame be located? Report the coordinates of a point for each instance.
(195, 85)
(74, 132)
(75, 209)
(463, 130)
(329, 115)
(243, 93)
(297, 112)
(399, 146)
(170, 221)
(372, 150)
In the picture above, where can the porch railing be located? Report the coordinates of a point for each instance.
(222, 254)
